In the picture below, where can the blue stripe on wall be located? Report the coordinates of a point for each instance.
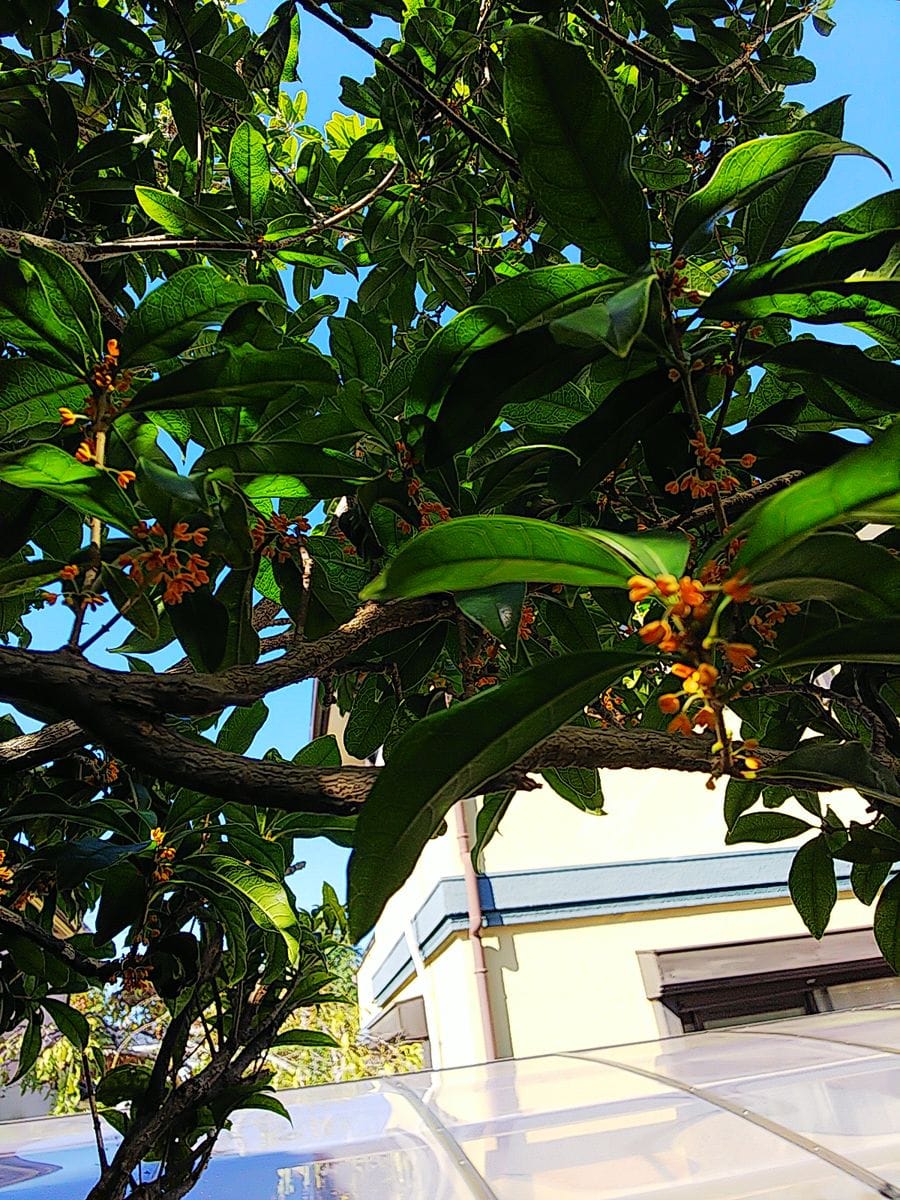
(603, 889)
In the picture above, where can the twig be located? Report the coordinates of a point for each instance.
(93, 967)
(391, 64)
(637, 52)
(739, 501)
(95, 1116)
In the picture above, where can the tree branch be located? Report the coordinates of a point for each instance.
(736, 504)
(638, 52)
(391, 64)
(94, 968)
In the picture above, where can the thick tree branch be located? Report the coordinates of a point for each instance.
(35, 749)
(93, 968)
(66, 682)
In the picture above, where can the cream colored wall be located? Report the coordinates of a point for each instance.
(570, 985)
(649, 814)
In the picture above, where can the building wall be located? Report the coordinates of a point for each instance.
(569, 983)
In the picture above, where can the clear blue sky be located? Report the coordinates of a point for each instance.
(859, 60)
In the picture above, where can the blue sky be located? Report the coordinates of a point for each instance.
(859, 60)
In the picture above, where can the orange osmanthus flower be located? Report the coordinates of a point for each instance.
(737, 588)
(639, 588)
(69, 572)
(125, 477)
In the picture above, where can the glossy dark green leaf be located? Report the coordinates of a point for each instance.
(179, 217)
(249, 171)
(37, 292)
(240, 376)
(497, 609)
(604, 439)
(170, 318)
(88, 490)
(30, 1046)
(71, 1023)
(874, 380)
(492, 811)
(850, 765)
(107, 28)
(292, 469)
(836, 277)
(747, 171)
(241, 727)
(863, 486)
(573, 143)
(322, 751)
(472, 552)
(812, 884)
(866, 879)
(371, 716)
(887, 923)
(858, 641)
(317, 1038)
(615, 322)
(448, 350)
(580, 786)
(765, 827)
(453, 754)
(772, 215)
(123, 900)
(31, 395)
(857, 577)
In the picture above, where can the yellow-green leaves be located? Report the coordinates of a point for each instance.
(475, 552)
(573, 143)
(86, 489)
(48, 309)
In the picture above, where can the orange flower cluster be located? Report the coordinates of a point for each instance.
(684, 599)
(347, 546)
(178, 571)
(279, 537)
(6, 873)
(764, 621)
(698, 685)
(525, 622)
(678, 286)
(721, 480)
(163, 870)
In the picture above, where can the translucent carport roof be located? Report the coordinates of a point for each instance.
(807, 1109)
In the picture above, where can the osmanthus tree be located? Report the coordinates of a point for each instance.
(568, 484)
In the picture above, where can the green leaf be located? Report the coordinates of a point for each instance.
(866, 880)
(492, 811)
(370, 717)
(72, 1024)
(817, 761)
(765, 827)
(292, 469)
(241, 727)
(472, 552)
(871, 379)
(854, 642)
(86, 489)
(355, 349)
(123, 900)
(606, 437)
(169, 319)
(107, 28)
(322, 751)
(857, 577)
(747, 171)
(178, 217)
(240, 376)
(31, 395)
(887, 923)
(497, 609)
(453, 754)
(35, 310)
(812, 884)
(862, 486)
(271, 907)
(659, 174)
(614, 322)
(574, 144)
(131, 601)
(449, 348)
(772, 215)
(304, 1037)
(580, 786)
(836, 277)
(31, 1045)
(249, 171)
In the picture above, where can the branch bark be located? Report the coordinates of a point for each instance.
(93, 968)
(736, 504)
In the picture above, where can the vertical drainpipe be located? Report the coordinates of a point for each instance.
(476, 921)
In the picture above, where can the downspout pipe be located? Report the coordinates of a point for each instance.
(476, 924)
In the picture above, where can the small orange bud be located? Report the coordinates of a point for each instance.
(655, 632)
(639, 588)
(125, 477)
(70, 572)
(667, 584)
(67, 417)
(747, 460)
(674, 374)
(669, 703)
(737, 588)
